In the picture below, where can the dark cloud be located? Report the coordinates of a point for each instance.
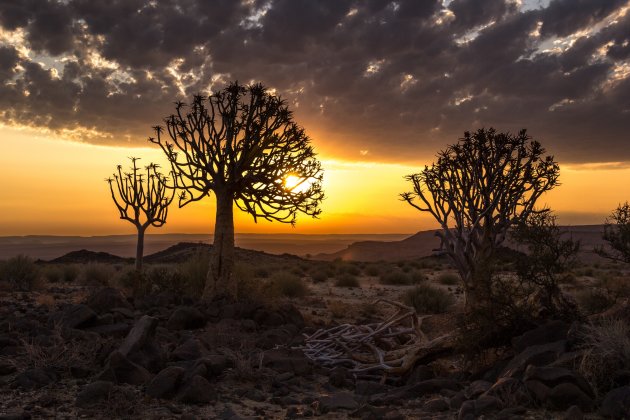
(397, 78)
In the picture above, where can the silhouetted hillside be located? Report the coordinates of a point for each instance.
(84, 256)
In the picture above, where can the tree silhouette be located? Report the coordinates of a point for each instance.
(141, 198)
(477, 190)
(617, 234)
(242, 144)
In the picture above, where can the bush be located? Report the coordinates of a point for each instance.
(20, 272)
(70, 272)
(448, 279)
(418, 276)
(261, 272)
(395, 278)
(607, 351)
(53, 274)
(427, 299)
(98, 274)
(348, 268)
(594, 301)
(347, 280)
(287, 284)
(319, 276)
(373, 270)
(194, 272)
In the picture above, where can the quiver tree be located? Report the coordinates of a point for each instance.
(142, 198)
(477, 190)
(241, 144)
(617, 235)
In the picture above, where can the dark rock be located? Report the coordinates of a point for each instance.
(534, 355)
(563, 396)
(256, 395)
(477, 388)
(35, 378)
(456, 401)
(80, 372)
(340, 377)
(340, 400)
(510, 388)
(550, 332)
(216, 364)
(6, 368)
(197, 391)
(621, 378)
(186, 318)
(94, 393)
(368, 388)
(190, 350)
(511, 413)
(119, 369)
(436, 405)
(466, 411)
(165, 383)
(616, 403)
(270, 338)
(106, 299)
(431, 386)
(420, 373)
(287, 360)
(119, 329)
(573, 413)
(486, 404)
(141, 332)
(16, 414)
(74, 316)
(552, 376)
(539, 390)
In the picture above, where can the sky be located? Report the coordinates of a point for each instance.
(379, 86)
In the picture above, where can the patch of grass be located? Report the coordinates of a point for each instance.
(287, 284)
(395, 278)
(320, 276)
(69, 272)
(417, 277)
(20, 272)
(448, 279)
(194, 272)
(98, 274)
(261, 272)
(337, 308)
(427, 299)
(373, 270)
(53, 273)
(594, 301)
(347, 280)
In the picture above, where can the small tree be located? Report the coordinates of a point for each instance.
(142, 198)
(476, 190)
(617, 235)
(242, 144)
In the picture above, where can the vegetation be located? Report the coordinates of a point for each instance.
(347, 280)
(20, 272)
(427, 299)
(617, 235)
(477, 190)
(287, 284)
(242, 144)
(448, 279)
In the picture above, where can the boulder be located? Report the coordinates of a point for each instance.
(563, 396)
(141, 347)
(434, 405)
(616, 403)
(196, 391)
(35, 378)
(287, 360)
(119, 369)
(186, 318)
(537, 355)
(550, 332)
(477, 388)
(191, 349)
(106, 299)
(74, 316)
(165, 383)
(94, 393)
(336, 401)
(552, 376)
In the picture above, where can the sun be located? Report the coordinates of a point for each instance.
(296, 184)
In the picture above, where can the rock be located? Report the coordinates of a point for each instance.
(255, 395)
(431, 386)
(509, 388)
(287, 360)
(197, 391)
(420, 373)
(119, 369)
(6, 368)
(563, 396)
(119, 329)
(106, 299)
(141, 332)
(616, 403)
(340, 377)
(466, 411)
(436, 405)
(15, 414)
(573, 413)
(457, 400)
(538, 355)
(339, 400)
(186, 318)
(74, 316)
(190, 350)
(552, 376)
(35, 378)
(486, 404)
(549, 332)
(216, 364)
(477, 388)
(94, 393)
(368, 388)
(165, 383)
(511, 413)
(270, 338)
(539, 390)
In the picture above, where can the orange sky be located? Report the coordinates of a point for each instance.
(52, 186)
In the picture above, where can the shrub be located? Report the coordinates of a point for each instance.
(261, 272)
(287, 284)
(20, 272)
(418, 276)
(448, 279)
(348, 268)
(164, 277)
(194, 272)
(373, 270)
(427, 299)
(594, 301)
(70, 272)
(53, 274)
(337, 308)
(607, 351)
(319, 276)
(347, 280)
(395, 278)
(98, 274)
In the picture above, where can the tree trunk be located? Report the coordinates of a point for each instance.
(140, 249)
(219, 283)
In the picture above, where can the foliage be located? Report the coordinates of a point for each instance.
(448, 279)
(346, 280)
(427, 299)
(395, 278)
(594, 300)
(617, 235)
(98, 274)
(477, 190)
(320, 276)
(287, 284)
(20, 272)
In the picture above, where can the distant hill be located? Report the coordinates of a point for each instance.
(423, 244)
(174, 254)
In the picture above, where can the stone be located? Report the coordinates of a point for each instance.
(74, 316)
(563, 396)
(106, 299)
(273, 337)
(616, 403)
(511, 413)
(552, 376)
(573, 413)
(197, 391)
(119, 329)
(538, 355)
(552, 331)
(94, 393)
(339, 400)
(15, 414)
(539, 390)
(420, 373)
(477, 388)
(509, 388)
(340, 377)
(467, 411)
(141, 332)
(165, 383)
(486, 404)
(119, 369)
(186, 318)
(6, 368)
(287, 360)
(190, 350)
(35, 378)
(437, 404)
(367, 388)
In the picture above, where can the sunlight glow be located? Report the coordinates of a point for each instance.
(296, 184)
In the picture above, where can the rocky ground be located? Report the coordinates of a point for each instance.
(72, 351)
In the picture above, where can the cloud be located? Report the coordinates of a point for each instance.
(400, 79)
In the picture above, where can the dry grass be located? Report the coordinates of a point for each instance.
(427, 299)
(347, 280)
(46, 300)
(337, 308)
